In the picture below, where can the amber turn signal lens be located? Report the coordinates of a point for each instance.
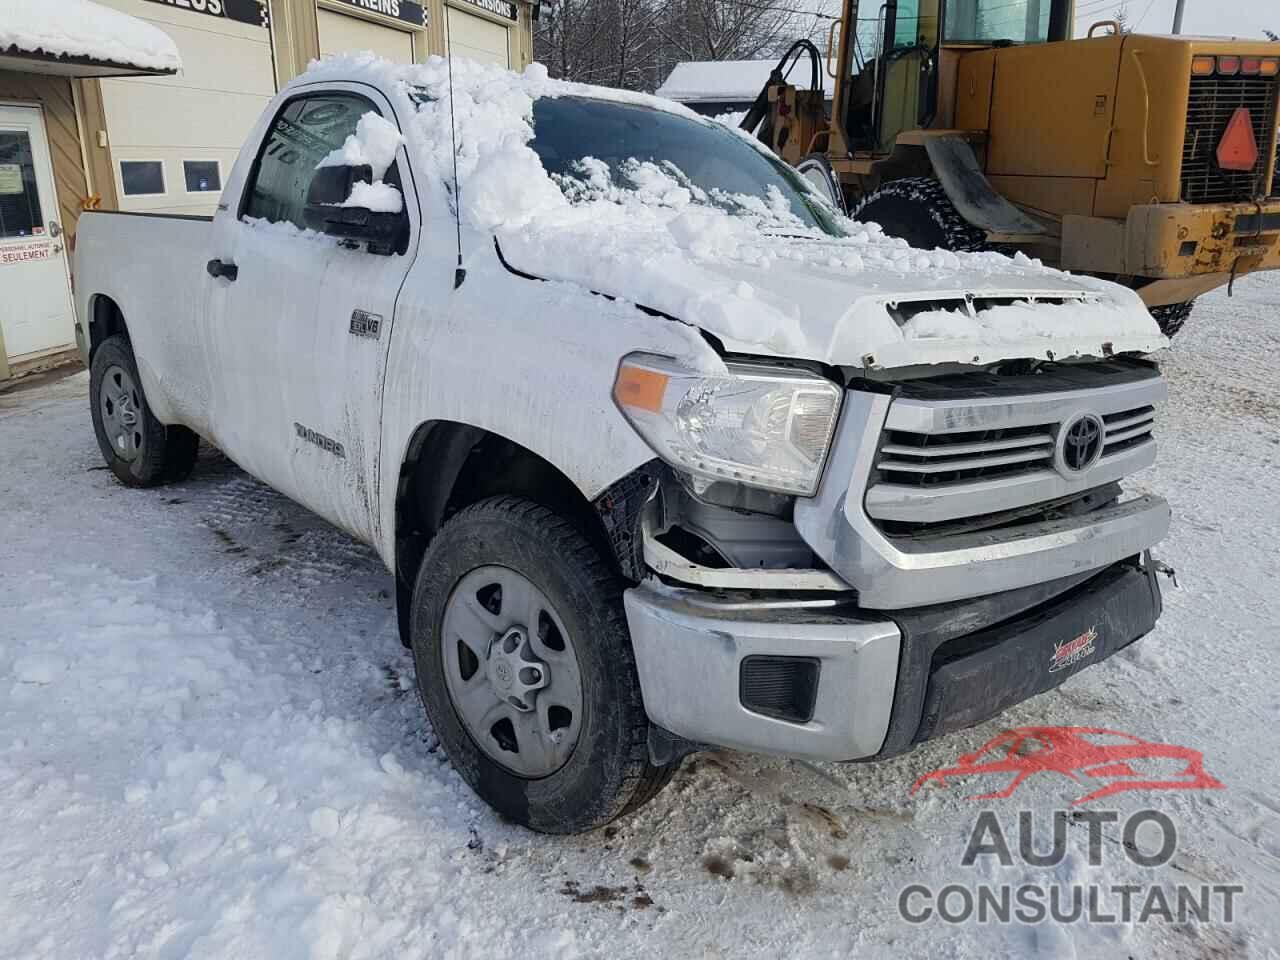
(1229, 66)
(1203, 66)
(639, 388)
(1270, 67)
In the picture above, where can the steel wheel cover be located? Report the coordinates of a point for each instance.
(511, 671)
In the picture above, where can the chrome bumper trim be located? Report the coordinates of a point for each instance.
(688, 649)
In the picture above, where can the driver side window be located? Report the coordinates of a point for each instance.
(305, 131)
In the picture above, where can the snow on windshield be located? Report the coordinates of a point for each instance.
(716, 249)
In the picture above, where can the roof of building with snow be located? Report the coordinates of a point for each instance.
(729, 81)
(79, 37)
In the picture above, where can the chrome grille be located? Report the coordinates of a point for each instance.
(934, 459)
(940, 459)
(1212, 103)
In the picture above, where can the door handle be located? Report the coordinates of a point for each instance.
(228, 271)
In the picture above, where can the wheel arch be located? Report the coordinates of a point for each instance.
(106, 319)
(448, 465)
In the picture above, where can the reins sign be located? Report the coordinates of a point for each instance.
(404, 10)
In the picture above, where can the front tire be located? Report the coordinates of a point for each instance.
(525, 668)
(919, 211)
(140, 450)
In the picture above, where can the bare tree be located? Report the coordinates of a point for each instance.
(1122, 16)
(635, 43)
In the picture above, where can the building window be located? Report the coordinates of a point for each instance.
(202, 176)
(142, 178)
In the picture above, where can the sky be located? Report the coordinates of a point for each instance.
(1244, 18)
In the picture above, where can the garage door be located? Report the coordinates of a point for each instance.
(477, 38)
(342, 34)
(174, 139)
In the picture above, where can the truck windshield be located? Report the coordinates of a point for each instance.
(986, 21)
(595, 144)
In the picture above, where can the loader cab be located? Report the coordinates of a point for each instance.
(897, 70)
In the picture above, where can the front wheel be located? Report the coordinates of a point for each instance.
(526, 671)
(140, 450)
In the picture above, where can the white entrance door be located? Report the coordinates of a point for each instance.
(36, 314)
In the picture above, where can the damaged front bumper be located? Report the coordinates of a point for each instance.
(959, 562)
(825, 680)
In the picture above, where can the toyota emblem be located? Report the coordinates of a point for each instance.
(1082, 442)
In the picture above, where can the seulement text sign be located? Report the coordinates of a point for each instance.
(25, 252)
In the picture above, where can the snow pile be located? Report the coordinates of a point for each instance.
(79, 28)
(380, 197)
(374, 144)
(743, 268)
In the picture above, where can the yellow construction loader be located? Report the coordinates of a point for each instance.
(980, 124)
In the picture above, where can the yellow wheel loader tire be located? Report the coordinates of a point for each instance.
(1172, 317)
(919, 211)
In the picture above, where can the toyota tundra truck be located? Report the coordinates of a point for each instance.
(661, 451)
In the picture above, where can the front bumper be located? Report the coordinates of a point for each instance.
(884, 681)
(1186, 249)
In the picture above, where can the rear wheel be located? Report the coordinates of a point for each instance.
(1172, 317)
(140, 450)
(919, 211)
(525, 668)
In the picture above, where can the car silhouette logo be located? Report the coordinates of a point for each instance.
(1082, 442)
(1082, 754)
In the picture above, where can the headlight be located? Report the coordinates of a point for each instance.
(755, 425)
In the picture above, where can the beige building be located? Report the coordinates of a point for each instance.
(115, 137)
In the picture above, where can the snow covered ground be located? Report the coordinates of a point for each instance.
(210, 745)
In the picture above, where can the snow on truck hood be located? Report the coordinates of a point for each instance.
(753, 278)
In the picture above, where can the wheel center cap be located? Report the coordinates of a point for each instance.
(515, 672)
(503, 674)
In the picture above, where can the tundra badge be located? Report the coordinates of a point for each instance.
(320, 440)
(364, 324)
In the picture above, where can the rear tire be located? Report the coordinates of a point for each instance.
(1172, 317)
(919, 211)
(140, 450)
(502, 739)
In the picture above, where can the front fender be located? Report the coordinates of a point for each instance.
(531, 361)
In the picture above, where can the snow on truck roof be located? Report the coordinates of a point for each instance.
(730, 81)
(83, 30)
(746, 267)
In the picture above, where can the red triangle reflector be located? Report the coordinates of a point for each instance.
(1238, 149)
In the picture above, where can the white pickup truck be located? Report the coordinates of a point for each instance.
(661, 451)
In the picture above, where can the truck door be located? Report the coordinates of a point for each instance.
(300, 322)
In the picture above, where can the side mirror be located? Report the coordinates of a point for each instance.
(325, 213)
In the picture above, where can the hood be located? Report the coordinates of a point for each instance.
(841, 302)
